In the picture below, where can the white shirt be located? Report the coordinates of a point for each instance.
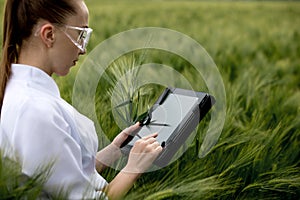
(41, 128)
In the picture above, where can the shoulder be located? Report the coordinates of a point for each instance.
(38, 114)
(39, 107)
(39, 121)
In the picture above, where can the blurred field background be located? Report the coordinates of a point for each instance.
(256, 46)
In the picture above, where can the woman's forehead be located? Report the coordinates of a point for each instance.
(82, 15)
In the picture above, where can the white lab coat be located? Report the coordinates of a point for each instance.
(40, 128)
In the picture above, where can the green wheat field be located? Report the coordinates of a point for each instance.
(256, 46)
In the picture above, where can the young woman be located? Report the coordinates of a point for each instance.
(40, 38)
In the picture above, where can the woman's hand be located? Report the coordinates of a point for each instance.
(119, 139)
(142, 154)
(108, 155)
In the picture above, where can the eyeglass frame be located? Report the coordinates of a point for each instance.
(86, 39)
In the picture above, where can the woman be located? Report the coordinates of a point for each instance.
(43, 37)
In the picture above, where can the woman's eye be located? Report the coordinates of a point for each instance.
(81, 35)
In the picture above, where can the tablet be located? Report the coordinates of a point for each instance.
(174, 116)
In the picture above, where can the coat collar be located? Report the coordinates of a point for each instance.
(35, 78)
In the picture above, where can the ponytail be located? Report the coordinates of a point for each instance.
(20, 16)
(9, 46)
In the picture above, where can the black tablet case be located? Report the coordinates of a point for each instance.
(175, 115)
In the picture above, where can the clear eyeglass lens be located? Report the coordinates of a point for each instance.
(83, 37)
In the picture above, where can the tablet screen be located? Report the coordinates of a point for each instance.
(167, 116)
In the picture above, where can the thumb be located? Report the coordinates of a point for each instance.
(131, 128)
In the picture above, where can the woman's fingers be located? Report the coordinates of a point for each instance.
(153, 135)
(149, 140)
(131, 128)
(147, 144)
(122, 139)
(143, 153)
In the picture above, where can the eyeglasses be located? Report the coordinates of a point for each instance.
(83, 38)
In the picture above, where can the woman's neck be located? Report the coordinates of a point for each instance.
(34, 55)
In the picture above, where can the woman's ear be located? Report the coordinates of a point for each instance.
(47, 34)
